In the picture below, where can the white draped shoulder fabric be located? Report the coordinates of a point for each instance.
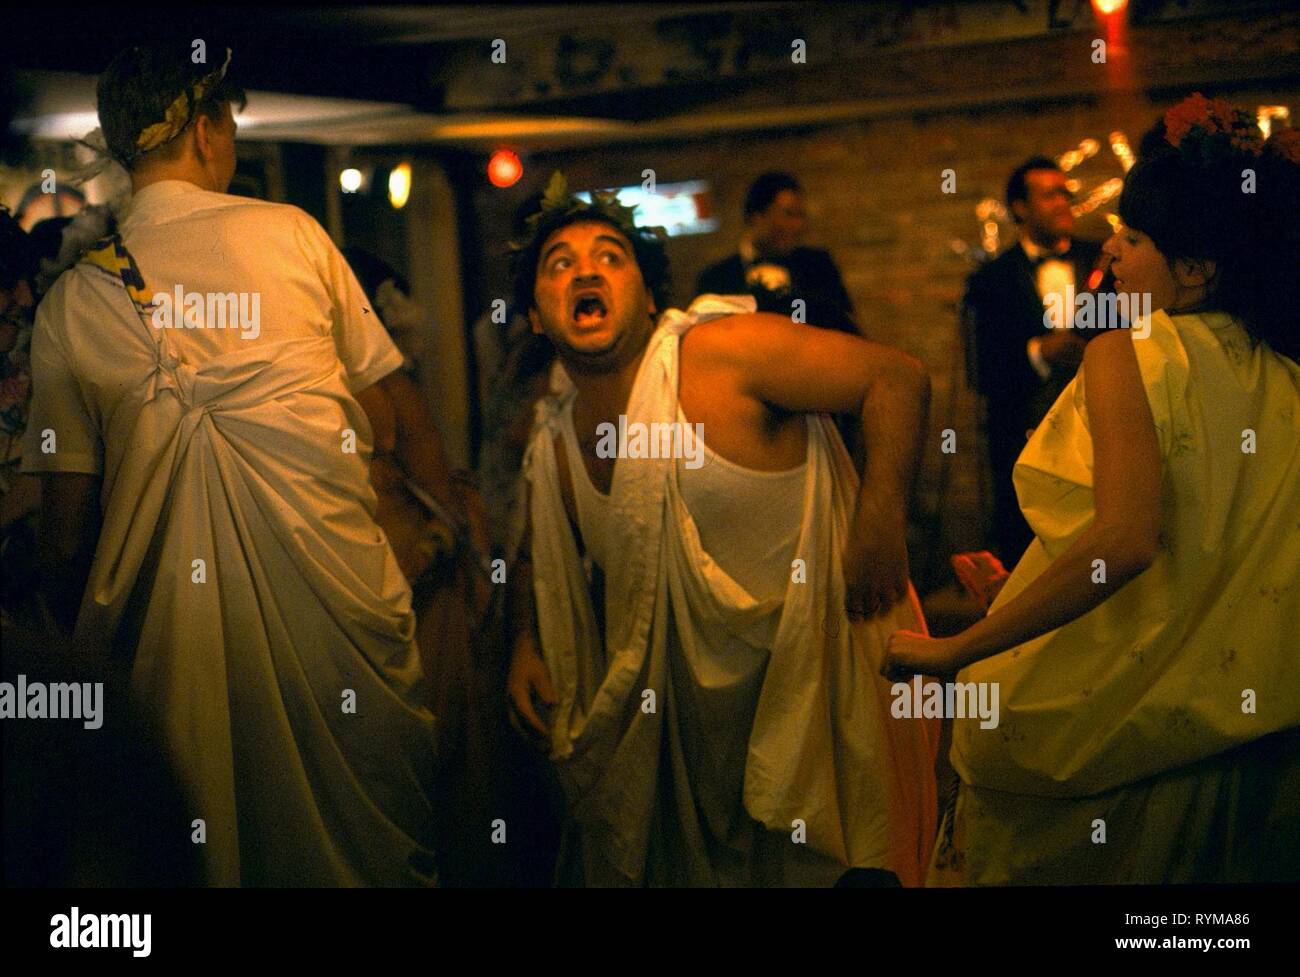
(239, 565)
(767, 754)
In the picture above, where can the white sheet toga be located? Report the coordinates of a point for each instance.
(230, 449)
(785, 731)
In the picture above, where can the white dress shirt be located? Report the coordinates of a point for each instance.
(1054, 275)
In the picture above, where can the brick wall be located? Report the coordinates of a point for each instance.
(872, 190)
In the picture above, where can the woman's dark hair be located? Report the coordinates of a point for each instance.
(1235, 208)
(651, 256)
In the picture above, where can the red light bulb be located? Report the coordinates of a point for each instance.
(504, 168)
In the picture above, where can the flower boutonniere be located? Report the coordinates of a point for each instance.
(768, 277)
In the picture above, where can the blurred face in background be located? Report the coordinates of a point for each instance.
(1045, 213)
(591, 300)
(16, 306)
(780, 228)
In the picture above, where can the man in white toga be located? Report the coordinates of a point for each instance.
(197, 416)
(702, 664)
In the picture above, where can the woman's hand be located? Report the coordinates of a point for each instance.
(982, 574)
(910, 652)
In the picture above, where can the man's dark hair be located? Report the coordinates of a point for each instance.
(651, 257)
(18, 257)
(763, 191)
(137, 88)
(1018, 187)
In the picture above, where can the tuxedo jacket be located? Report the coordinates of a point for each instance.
(813, 278)
(1001, 312)
(1004, 311)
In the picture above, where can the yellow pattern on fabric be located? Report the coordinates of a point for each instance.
(112, 256)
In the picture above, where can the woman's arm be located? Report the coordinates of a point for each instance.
(1124, 533)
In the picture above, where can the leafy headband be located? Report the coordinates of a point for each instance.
(179, 114)
(557, 202)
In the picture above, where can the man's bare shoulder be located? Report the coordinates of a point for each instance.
(728, 338)
(742, 323)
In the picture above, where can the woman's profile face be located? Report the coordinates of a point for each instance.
(1140, 268)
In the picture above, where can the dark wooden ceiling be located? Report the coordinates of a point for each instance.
(637, 62)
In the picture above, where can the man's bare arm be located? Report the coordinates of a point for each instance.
(419, 444)
(1124, 535)
(801, 368)
(528, 673)
(69, 531)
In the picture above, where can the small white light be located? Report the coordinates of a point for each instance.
(1267, 114)
(350, 180)
(1098, 196)
(1120, 147)
(399, 185)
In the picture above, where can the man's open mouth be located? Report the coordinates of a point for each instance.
(589, 309)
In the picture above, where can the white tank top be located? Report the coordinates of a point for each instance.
(592, 504)
(748, 520)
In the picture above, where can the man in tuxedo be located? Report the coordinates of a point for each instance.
(1020, 365)
(771, 265)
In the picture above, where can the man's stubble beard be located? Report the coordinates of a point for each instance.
(610, 359)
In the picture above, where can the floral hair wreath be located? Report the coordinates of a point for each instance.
(1207, 130)
(557, 201)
